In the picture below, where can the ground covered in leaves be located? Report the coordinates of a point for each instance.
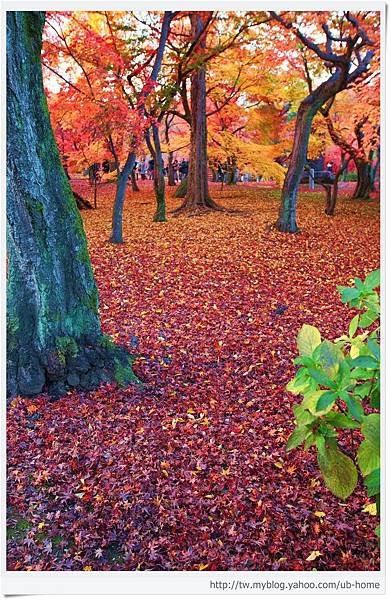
(189, 471)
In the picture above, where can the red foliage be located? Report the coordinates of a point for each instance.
(189, 471)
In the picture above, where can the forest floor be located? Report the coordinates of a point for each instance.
(188, 471)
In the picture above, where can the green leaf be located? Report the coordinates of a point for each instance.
(355, 408)
(348, 293)
(374, 347)
(299, 382)
(362, 390)
(368, 455)
(320, 444)
(321, 378)
(326, 401)
(310, 402)
(304, 360)
(339, 472)
(377, 531)
(330, 358)
(366, 362)
(297, 437)
(311, 440)
(339, 420)
(375, 396)
(363, 374)
(303, 417)
(368, 318)
(372, 482)
(372, 280)
(353, 325)
(308, 339)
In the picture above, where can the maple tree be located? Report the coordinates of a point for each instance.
(345, 42)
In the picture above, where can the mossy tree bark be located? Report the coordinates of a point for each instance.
(197, 195)
(53, 329)
(181, 190)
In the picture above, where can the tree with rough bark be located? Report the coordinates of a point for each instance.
(346, 54)
(197, 189)
(53, 328)
(352, 123)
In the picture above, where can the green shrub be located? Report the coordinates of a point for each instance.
(340, 384)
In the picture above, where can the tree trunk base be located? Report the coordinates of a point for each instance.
(113, 240)
(181, 190)
(159, 218)
(69, 364)
(191, 207)
(286, 226)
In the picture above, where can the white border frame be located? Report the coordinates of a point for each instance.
(189, 582)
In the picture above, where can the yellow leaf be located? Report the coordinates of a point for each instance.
(279, 465)
(371, 509)
(41, 525)
(202, 567)
(314, 554)
(319, 513)
(87, 568)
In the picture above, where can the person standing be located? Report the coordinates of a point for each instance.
(175, 168)
(143, 169)
(151, 168)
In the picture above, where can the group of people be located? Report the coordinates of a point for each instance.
(145, 169)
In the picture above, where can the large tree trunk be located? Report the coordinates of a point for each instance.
(363, 185)
(197, 195)
(116, 230)
(53, 330)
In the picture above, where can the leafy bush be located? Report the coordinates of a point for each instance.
(340, 385)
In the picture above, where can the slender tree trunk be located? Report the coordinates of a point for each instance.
(158, 179)
(135, 187)
(170, 171)
(363, 180)
(53, 329)
(287, 214)
(197, 195)
(116, 234)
